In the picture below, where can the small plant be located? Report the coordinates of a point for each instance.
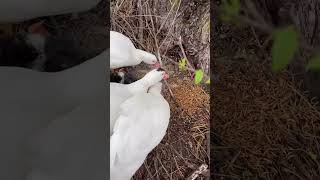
(285, 39)
(183, 64)
(230, 9)
(198, 76)
(285, 44)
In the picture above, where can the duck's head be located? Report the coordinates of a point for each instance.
(148, 58)
(153, 61)
(156, 75)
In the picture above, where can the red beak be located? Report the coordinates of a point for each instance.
(156, 65)
(166, 76)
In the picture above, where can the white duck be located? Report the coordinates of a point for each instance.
(31, 99)
(121, 92)
(141, 126)
(123, 53)
(17, 11)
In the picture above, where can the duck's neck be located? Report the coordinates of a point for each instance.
(141, 85)
(87, 80)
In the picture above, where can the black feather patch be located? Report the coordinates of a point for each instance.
(160, 69)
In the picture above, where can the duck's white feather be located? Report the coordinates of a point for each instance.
(123, 52)
(121, 92)
(141, 125)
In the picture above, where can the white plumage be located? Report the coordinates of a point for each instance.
(140, 127)
(123, 52)
(121, 92)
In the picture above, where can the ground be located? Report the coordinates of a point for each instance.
(157, 28)
(264, 124)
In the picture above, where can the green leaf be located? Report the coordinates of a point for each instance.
(230, 9)
(285, 44)
(208, 81)
(198, 76)
(183, 64)
(313, 156)
(314, 63)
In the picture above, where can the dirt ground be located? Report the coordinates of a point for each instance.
(156, 27)
(264, 126)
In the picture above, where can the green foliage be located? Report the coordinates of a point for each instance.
(230, 9)
(183, 64)
(314, 63)
(313, 156)
(198, 76)
(285, 44)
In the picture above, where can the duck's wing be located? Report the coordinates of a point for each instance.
(122, 51)
(116, 141)
(118, 94)
(143, 120)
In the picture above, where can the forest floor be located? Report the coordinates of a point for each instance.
(264, 126)
(156, 28)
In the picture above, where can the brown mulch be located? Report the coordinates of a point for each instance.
(185, 146)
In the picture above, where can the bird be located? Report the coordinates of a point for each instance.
(142, 123)
(31, 99)
(123, 53)
(121, 92)
(15, 11)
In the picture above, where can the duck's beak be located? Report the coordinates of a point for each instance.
(156, 65)
(166, 76)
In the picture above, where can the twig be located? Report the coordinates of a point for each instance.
(169, 88)
(146, 166)
(184, 53)
(140, 34)
(181, 174)
(163, 166)
(202, 169)
(172, 24)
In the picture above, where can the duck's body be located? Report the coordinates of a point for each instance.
(121, 92)
(141, 125)
(123, 53)
(17, 11)
(30, 100)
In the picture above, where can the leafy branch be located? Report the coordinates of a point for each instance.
(286, 40)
